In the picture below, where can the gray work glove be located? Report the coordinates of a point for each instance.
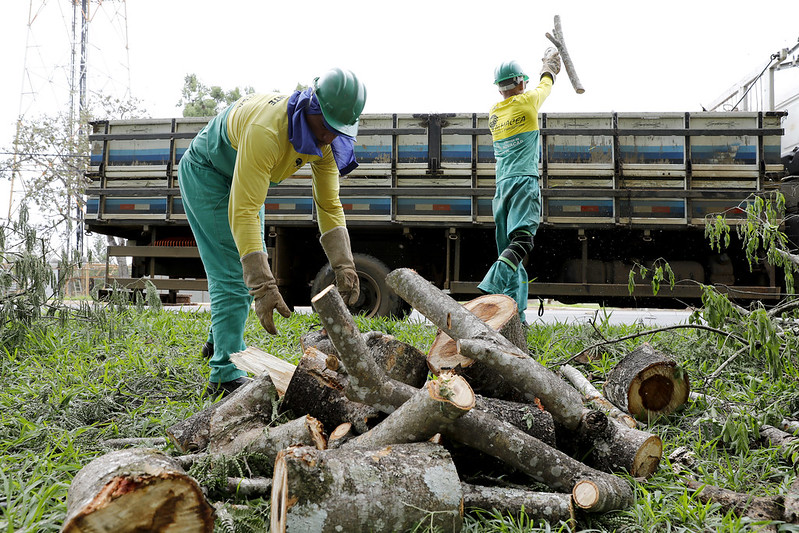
(263, 287)
(336, 243)
(551, 62)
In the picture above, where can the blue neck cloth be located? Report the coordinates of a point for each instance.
(304, 142)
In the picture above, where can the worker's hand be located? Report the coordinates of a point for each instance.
(551, 62)
(263, 287)
(336, 243)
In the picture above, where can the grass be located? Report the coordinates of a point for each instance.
(68, 385)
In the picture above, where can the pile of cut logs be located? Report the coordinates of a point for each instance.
(385, 434)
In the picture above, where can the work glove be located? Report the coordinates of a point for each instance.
(551, 62)
(263, 287)
(336, 244)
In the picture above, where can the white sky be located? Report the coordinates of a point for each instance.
(414, 56)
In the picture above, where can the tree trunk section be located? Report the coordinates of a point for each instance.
(647, 384)
(610, 446)
(530, 379)
(791, 512)
(303, 431)
(359, 489)
(249, 407)
(600, 495)
(318, 391)
(757, 508)
(435, 405)
(496, 310)
(135, 490)
(593, 396)
(527, 417)
(256, 361)
(399, 360)
(553, 507)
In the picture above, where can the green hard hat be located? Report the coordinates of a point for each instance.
(342, 97)
(508, 70)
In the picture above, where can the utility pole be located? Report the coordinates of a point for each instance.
(79, 68)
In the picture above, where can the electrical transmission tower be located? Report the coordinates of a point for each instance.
(60, 66)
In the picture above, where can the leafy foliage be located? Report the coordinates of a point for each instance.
(200, 100)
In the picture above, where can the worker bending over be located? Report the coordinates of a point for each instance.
(224, 178)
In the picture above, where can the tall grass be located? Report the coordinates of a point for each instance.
(67, 386)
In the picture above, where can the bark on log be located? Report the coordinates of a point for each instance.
(318, 391)
(527, 417)
(267, 441)
(553, 507)
(248, 407)
(541, 462)
(359, 489)
(136, 490)
(479, 430)
(568, 64)
(610, 446)
(600, 495)
(558, 397)
(530, 379)
(256, 361)
(647, 384)
(594, 397)
(755, 507)
(399, 360)
(423, 415)
(499, 312)
(777, 437)
(791, 512)
(367, 382)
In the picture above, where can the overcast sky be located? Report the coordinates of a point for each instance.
(414, 56)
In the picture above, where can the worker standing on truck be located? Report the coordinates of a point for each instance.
(517, 199)
(224, 178)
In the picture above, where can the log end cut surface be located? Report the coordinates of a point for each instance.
(147, 503)
(658, 390)
(496, 310)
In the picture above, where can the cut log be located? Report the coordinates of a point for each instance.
(530, 379)
(594, 397)
(477, 429)
(527, 417)
(256, 361)
(267, 441)
(647, 384)
(136, 490)
(340, 435)
(600, 495)
(791, 504)
(610, 446)
(552, 507)
(557, 396)
(318, 391)
(777, 437)
(423, 415)
(500, 313)
(399, 360)
(359, 489)
(755, 507)
(248, 407)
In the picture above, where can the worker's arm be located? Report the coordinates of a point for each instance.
(335, 238)
(330, 213)
(258, 151)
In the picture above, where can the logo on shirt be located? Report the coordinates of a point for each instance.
(496, 126)
(276, 99)
(298, 162)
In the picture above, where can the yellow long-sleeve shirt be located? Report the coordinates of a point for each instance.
(258, 130)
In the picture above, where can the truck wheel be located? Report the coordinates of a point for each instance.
(376, 298)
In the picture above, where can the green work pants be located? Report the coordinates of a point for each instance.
(516, 206)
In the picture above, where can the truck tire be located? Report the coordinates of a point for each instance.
(376, 298)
